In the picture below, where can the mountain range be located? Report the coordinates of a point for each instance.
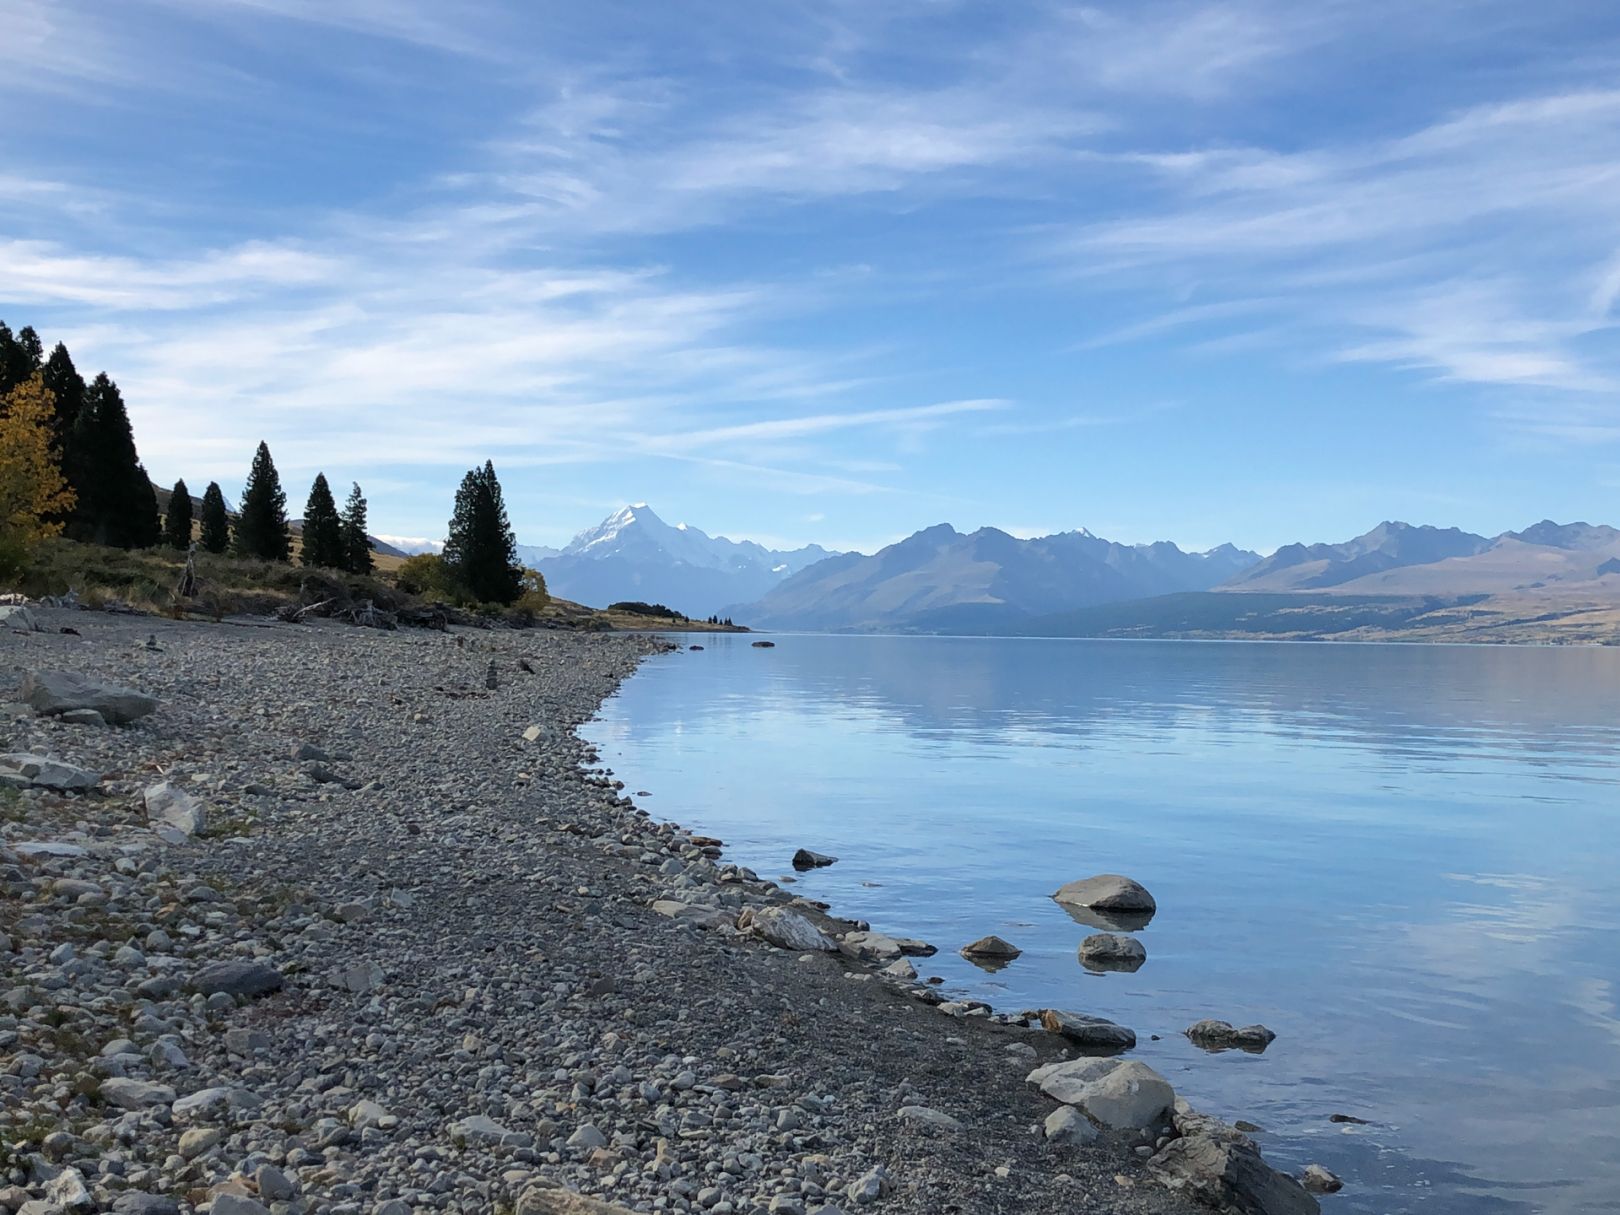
(1551, 581)
(635, 555)
(941, 580)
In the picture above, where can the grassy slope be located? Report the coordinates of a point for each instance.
(146, 580)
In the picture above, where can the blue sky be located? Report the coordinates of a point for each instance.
(1243, 271)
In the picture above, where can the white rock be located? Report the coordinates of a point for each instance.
(173, 807)
(786, 929)
(929, 1117)
(135, 1094)
(1121, 1094)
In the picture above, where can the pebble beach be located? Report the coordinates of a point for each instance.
(352, 921)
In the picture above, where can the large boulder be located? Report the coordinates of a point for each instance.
(786, 930)
(53, 692)
(39, 772)
(1107, 892)
(18, 618)
(169, 805)
(1112, 951)
(1120, 1094)
(992, 948)
(1229, 1176)
(870, 946)
(1094, 1035)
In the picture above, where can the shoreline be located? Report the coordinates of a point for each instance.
(475, 996)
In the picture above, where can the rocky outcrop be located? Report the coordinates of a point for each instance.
(1229, 1176)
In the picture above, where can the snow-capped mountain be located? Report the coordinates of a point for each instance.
(633, 554)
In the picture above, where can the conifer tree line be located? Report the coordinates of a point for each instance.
(86, 479)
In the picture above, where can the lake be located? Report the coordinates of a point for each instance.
(1401, 858)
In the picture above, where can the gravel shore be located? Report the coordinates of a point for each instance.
(450, 987)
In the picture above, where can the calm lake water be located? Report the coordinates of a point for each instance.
(1403, 859)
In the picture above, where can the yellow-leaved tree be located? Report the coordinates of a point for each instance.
(34, 495)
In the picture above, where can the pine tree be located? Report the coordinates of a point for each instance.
(33, 494)
(261, 525)
(481, 551)
(67, 386)
(116, 502)
(19, 358)
(323, 530)
(216, 526)
(356, 544)
(177, 522)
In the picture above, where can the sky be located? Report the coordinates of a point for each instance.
(1246, 271)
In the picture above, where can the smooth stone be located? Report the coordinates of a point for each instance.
(1107, 892)
(991, 947)
(805, 859)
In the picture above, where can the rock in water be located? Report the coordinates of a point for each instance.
(1092, 1034)
(52, 692)
(786, 930)
(1220, 1035)
(805, 859)
(174, 807)
(1110, 951)
(1107, 892)
(1229, 1177)
(992, 948)
(1319, 1180)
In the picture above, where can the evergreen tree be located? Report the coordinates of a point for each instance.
(177, 522)
(13, 362)
(481, 551)
(67, 386)
(261, 524)
(356, 544)
(323, 530)
(216, 527)
(116, 502)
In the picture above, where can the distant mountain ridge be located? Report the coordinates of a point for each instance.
(1400, 559)
(942, 580)
(633, 554)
